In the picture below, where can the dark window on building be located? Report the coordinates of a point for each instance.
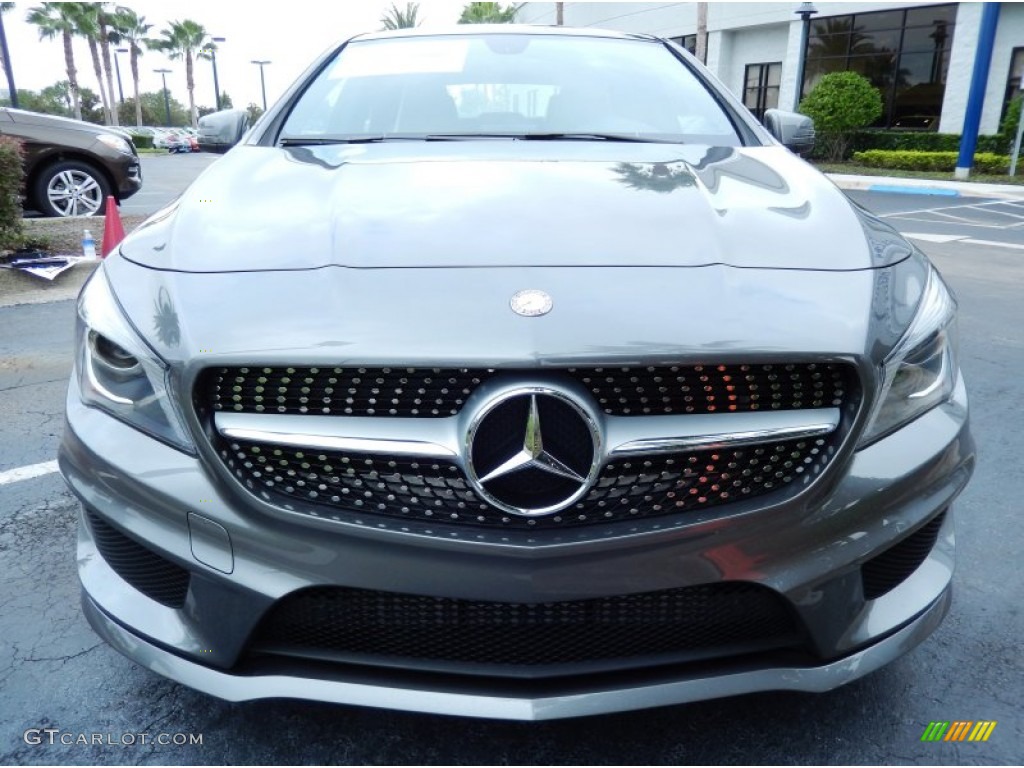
(689, 42)
(761, 87)
(905, 54)
(1013, 81)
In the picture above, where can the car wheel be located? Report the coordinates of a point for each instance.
(71, 188)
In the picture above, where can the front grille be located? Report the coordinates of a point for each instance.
(441, 392)
(888, 570)
(333, 485)
(699, 621)
(155, 577)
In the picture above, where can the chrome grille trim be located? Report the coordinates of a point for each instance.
(439, 438)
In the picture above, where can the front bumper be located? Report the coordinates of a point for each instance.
(130, 178)
(808, 550)
(235, 687)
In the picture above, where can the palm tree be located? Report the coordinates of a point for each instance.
(489, 13)
(399, 19)
(108, 34)
(87, 23)
(131, 30)
(8, 71)
(55, 19)
(182, 40)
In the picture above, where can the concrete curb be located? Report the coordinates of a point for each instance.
(926, 186)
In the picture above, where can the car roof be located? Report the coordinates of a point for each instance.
(500, 29)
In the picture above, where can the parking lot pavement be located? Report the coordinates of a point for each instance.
(164, 177)
(975, 220)
(55, 673)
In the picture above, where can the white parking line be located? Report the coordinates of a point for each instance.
(928, 237)
(941, 208)
(1016, 246)
(27, 473)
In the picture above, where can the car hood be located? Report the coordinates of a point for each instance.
(511, 203)
(23, 117)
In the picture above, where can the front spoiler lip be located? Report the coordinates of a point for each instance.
(248, 688)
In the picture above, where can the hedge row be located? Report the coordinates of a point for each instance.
(142, 140)
(907, 160)
(923, 141)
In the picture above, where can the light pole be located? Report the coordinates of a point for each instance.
(167, 99)
(117, 68)
(212, 48)
(805, 11)
(263, 82)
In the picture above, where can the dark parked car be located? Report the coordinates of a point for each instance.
(514, 372)
(72, 166)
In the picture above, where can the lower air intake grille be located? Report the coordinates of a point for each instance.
(887, 571)
(152, 575)
(700, 621)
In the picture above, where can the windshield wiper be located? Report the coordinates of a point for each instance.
(299, 141)
(630, 137)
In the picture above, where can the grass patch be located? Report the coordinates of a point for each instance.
(863, 170)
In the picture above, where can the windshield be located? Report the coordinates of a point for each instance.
(515, 85)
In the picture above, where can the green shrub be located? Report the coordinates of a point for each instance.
(142, 140)
(11, 178)
(840, 103)
(907, 160)
(921, 141)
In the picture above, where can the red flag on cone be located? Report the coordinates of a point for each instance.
(113, 229)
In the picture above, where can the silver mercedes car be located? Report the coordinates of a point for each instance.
(517, 373)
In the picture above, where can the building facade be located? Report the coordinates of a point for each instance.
(920, 55)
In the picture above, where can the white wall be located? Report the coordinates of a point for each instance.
(757, 45)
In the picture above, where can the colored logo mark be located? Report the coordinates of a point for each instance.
(958, 730)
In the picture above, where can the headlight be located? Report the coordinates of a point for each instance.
(921, 370)
(119, 373)
(115, 142)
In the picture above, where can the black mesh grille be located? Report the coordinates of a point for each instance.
(152, 575)
(722, 618)
(330, 484)
(440, 392)
(887, 571)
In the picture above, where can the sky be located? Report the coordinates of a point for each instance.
(291, 35)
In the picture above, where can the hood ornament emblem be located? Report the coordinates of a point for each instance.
(531, 303)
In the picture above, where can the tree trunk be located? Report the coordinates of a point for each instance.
(69, 63)
(135, 82)
(191, 88)
(559, 14)
(701, 51)
(95, 51)
(105, 48)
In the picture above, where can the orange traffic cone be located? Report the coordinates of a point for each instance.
(113, 229)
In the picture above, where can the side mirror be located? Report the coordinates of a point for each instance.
(220, 131)
(794, 131)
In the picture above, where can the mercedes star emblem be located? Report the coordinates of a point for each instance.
(531, 303)
(533, 452)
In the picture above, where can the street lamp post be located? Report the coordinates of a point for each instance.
(805, 11)
(212, 48)
(117, 68)
(263, 82)
(167, 99)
